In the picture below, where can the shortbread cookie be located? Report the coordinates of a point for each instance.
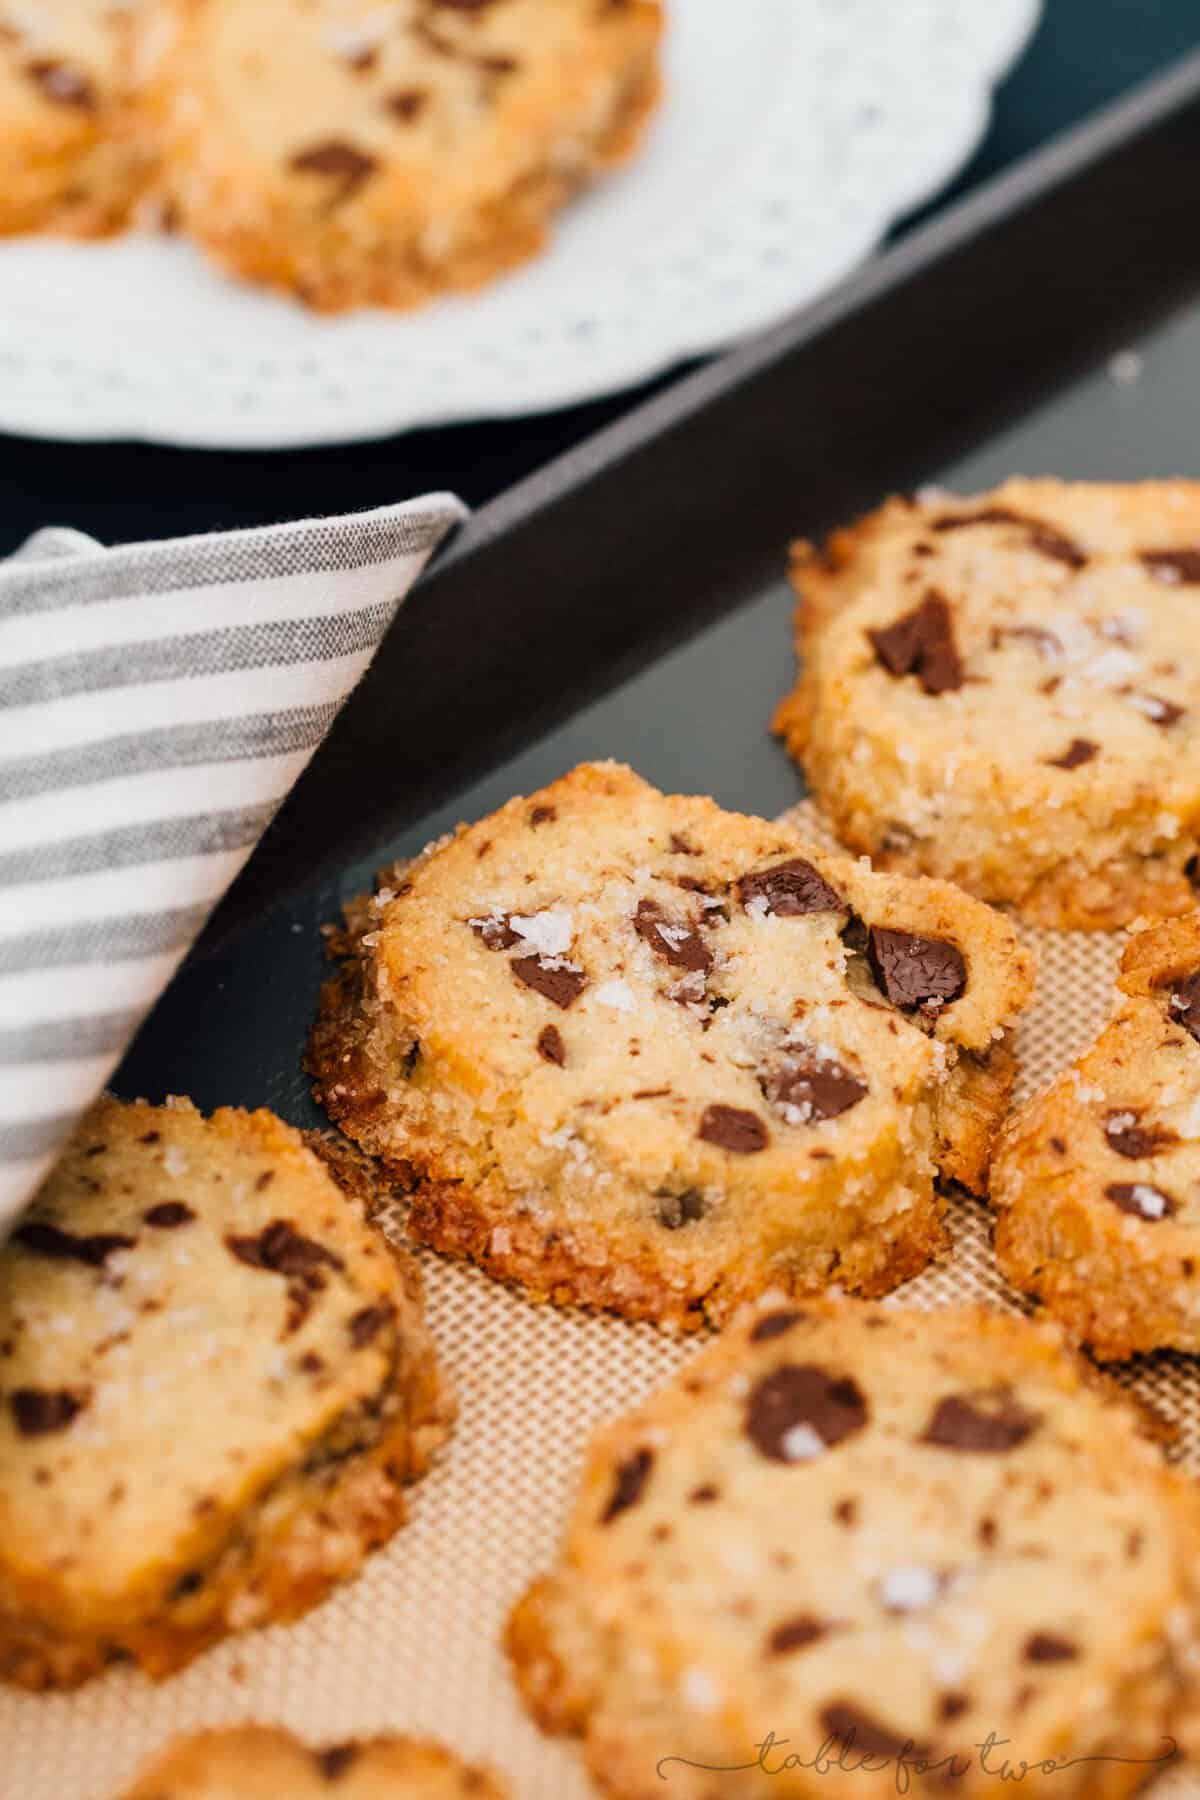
(636, 1052)
(1097, 1183)
(856, 1538)
(215, 1382)
(1005, 691)
(72, 155)
(256, 1763)
(381, 151)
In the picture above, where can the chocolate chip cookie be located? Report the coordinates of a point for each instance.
(73, 156)
(852, 1538)
(255, 1763)
(215, 1382)
(1097, 1182)
(377, 152)
(632, 1051)
(1005, 691)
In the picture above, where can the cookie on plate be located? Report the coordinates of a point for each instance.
(377, 152)
(257, 1763)
(73, 157)
(633, 1051)
(1005, 691)
(1097, 1180)
(215, 1382)
(856, 1538)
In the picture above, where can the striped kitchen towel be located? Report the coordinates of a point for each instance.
(157, 701)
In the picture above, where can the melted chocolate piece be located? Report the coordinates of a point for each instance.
(1078, 752)
(798, 1634)
(817, 1089)
(677, 943)
(51, 1241)
(989, 1423)
(1173, 565)
(61, 83)
(732, 1128)
(921, 643)
(914, 971)
(858, 1732)
(366, 1324)
(1042, 537)
(340, 161)
(800, 1408)
(631, 1479)
(283, 1250)
(495, 931)
(1048, 1647)
(334, 1762)
(406, 103)
(774, 1324)
(675, 1210)
(1185, 1005)
(1129, 1138)
(168, 1215)
(559, 982)
(1141, 1200)
(790, 889)
(551, 1047)
(37, 1412)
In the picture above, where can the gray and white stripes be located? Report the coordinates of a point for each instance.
(157, 702)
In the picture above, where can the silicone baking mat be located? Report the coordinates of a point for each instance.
(414, 1644)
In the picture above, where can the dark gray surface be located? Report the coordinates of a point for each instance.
(230, 1029)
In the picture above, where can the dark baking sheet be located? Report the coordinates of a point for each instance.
(628, 601)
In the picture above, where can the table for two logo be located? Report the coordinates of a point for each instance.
(855, 1745)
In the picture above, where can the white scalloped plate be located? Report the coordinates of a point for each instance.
(784, 149)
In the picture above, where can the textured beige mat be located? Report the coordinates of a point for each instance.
(413, 1644)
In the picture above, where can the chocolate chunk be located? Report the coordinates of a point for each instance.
(678, 944)
(338, 160)
(915, 971)
(921, 643)
(1173, 565)
(542, 815)
(1048, 1647)
(774, 1324)
(551, 1047)
(632, 1476)
(49, 1240)
(1141, 1200)
(1191, 869)
(1129, 1138)
(366, 1324)
(675, 1210)
(857, 1731)
(1185, 1004)
(800, 1409)
(789, 890)
(681, 845)
(168, 1215)
(283, 1250)
(406, 103)
(557, 981)
(798, 1634)
(334, 1762)
(952, 1706)
(62, 84)
(1160, 712)
(40, 1411)
(1042, 537)
(1077, 752)
(266, 1178)
(812, 1087)
(732, 1128)
(495, 931)
(989, 1422)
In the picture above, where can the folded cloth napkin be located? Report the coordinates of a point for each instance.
(157, 701)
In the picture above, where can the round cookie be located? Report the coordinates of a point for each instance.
(378, 152)
(256, 1763)
(1005, 691)
(1097, 1180)
(215, 1382)
(633, 1051)
(849, 1541)
(73, 156)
